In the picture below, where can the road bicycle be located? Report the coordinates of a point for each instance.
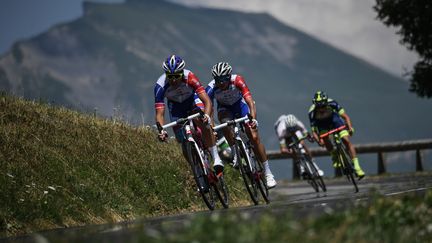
(301, 159)
(250, 169)
(210, 185)
(345, 166)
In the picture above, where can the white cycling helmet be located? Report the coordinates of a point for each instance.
(221, 69)
(291, 121)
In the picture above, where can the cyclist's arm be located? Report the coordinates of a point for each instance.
(314, 129)
(347, 120)
(160, 115)
(251, 104)
(159, 94)
(302, 128)
(208, 105)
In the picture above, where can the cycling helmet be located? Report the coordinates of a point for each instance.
(173, 64)
(320, 98)
(221, 69)
(291, 121)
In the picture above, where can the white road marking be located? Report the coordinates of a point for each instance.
(412, 190)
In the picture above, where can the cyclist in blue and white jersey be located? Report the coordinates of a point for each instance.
(234, 100)
(185, 95)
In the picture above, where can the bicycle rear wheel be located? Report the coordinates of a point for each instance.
(318, 179)
(201, 179)
(246, 172)
(348, 169)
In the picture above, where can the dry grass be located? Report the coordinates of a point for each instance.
(60, 168)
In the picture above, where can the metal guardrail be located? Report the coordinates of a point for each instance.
(379, 148)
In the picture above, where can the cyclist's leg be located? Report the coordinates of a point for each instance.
(345, 138)
(258, 147)
(176, 111)
(224, 114)
(208, 138)
(323, 128)
(344, 135)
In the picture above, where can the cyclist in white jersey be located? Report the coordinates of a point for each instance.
(286, 126)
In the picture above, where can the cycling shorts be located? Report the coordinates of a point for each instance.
(236, 110)
(182, 110)
(331, 123)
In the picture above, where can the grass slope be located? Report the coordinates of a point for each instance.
(60, 168)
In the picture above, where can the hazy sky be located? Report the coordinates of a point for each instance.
(346, 24)
(21, 19)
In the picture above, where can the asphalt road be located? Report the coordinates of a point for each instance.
(298, 197)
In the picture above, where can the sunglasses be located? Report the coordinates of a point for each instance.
(174, 75)
(223, 79)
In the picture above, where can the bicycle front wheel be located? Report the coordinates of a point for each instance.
(261, 181)
(318, 179)
(347, 167)
(222, 190)
(309, 174)
(246, 172)
(200, 175)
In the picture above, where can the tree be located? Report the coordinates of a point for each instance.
(414, 20)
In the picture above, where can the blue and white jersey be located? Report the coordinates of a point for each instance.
(189, 87)
(236, 91)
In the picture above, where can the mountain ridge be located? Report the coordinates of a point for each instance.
(109, 59)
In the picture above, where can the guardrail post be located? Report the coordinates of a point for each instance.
(419, 160)
(337, 172)
(381, 163)
(296, 172)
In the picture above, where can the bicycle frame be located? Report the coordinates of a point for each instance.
(213, 181)
(187, 133)
(302, 159)
(344, 156)
(250, 174)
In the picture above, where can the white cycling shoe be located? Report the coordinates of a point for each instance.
(320, 172)
(271, 182)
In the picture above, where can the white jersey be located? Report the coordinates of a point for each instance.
(281, 128)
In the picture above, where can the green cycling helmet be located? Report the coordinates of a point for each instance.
(320, 98)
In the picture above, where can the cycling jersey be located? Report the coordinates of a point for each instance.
(283, 132)
(328, 117)
(188, 87)
(182, 99)
(236, 91)
(232, 99)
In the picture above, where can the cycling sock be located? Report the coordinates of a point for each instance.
(356, 164)
(266, 167)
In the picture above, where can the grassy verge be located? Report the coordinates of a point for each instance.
(60, 168)
(392, 219)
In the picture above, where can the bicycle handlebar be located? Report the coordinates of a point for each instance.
(332, 131)
(297, 141)
(232, 122)
(179, 121)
